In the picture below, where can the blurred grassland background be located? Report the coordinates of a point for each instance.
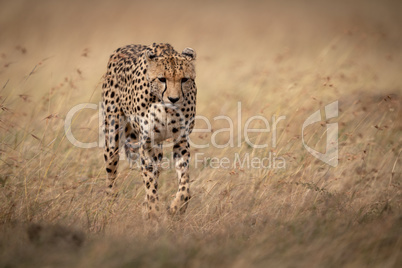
(287, 58)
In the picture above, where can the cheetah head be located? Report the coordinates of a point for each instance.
(170, 74)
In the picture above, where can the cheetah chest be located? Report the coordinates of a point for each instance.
(163, 122)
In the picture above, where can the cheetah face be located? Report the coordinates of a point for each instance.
(171, 77)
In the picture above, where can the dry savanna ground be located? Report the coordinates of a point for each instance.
(285, 59)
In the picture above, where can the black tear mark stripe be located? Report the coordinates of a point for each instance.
(182, 91)
(164, 91)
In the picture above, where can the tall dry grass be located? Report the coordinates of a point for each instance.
(287, 59)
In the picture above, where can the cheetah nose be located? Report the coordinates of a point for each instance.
(173, 100)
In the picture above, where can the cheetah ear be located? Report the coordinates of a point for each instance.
(189, 53)
(150, 55)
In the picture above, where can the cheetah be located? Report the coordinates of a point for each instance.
(149, 96)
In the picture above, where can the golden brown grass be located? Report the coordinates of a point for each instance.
(286, 59)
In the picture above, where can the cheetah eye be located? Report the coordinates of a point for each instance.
(183, 80)
(162, 79)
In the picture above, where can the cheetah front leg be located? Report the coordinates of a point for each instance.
(150, 159)
(181, 155)
(131, 145)
(111, 151)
